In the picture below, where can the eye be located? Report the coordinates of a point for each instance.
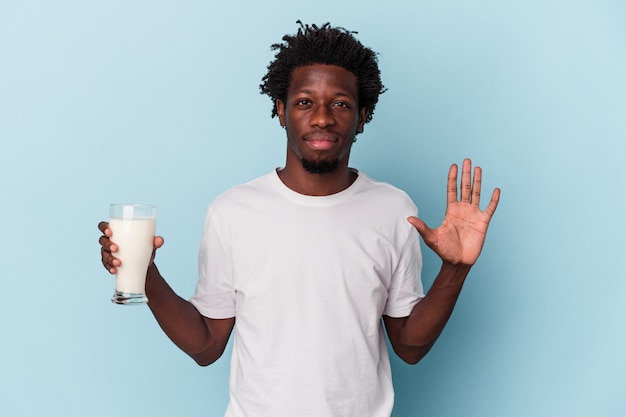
(342, 104)
(302, 102)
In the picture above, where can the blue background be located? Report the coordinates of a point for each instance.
(155, 101)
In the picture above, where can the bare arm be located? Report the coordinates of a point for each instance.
(413, 336)
(202, 338)
(458, 242)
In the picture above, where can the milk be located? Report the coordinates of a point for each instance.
(135, 241)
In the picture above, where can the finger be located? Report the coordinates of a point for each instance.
(466, 174)
(493, 203)
(452, 177)
(421, 226)
(104, 228)
(158, 242)
(107, 244)
(476, 184)
(110, 262)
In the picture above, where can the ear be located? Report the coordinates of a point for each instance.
(362, 118)
(280, 109)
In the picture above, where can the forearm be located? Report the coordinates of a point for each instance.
(431, 314)
(181, 321)
(416, 334)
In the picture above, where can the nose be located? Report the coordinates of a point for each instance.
(322, 116)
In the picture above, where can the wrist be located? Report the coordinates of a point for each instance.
(452, 274)
(456, 268)
(151, 274)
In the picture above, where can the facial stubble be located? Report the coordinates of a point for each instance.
(320, 166)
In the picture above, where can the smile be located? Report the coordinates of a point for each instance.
(320, 142)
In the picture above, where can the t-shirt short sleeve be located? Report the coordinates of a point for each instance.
(214, 296)
(406, 288)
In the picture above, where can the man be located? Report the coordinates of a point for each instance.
(312, 258)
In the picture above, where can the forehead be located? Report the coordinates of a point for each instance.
(320, 78)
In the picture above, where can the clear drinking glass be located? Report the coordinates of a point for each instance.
(133, 227)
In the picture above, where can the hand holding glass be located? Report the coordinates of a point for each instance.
(133, 227)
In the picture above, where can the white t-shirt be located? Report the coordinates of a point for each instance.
(308, 279)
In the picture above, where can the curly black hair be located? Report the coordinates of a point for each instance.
(323, 45)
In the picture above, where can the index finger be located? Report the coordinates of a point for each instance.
(452, 178)
(104, 227)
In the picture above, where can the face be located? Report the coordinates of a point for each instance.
(321, 116)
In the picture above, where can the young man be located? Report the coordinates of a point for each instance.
(312, 258)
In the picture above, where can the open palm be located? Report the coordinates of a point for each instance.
(460, 237)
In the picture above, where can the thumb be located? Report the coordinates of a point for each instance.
(421, 227)
(158, 242)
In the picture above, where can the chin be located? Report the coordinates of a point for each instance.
(320, 166)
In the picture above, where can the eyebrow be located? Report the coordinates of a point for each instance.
(336, 94)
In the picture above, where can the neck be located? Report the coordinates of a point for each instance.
(303, 182)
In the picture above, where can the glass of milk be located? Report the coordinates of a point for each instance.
(133, 227)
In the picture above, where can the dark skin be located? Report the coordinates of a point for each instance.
(458, 241)
(322, 116)
(202, 338)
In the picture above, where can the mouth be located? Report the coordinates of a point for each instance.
(320, 142)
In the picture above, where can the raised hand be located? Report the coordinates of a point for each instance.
(460, 237)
